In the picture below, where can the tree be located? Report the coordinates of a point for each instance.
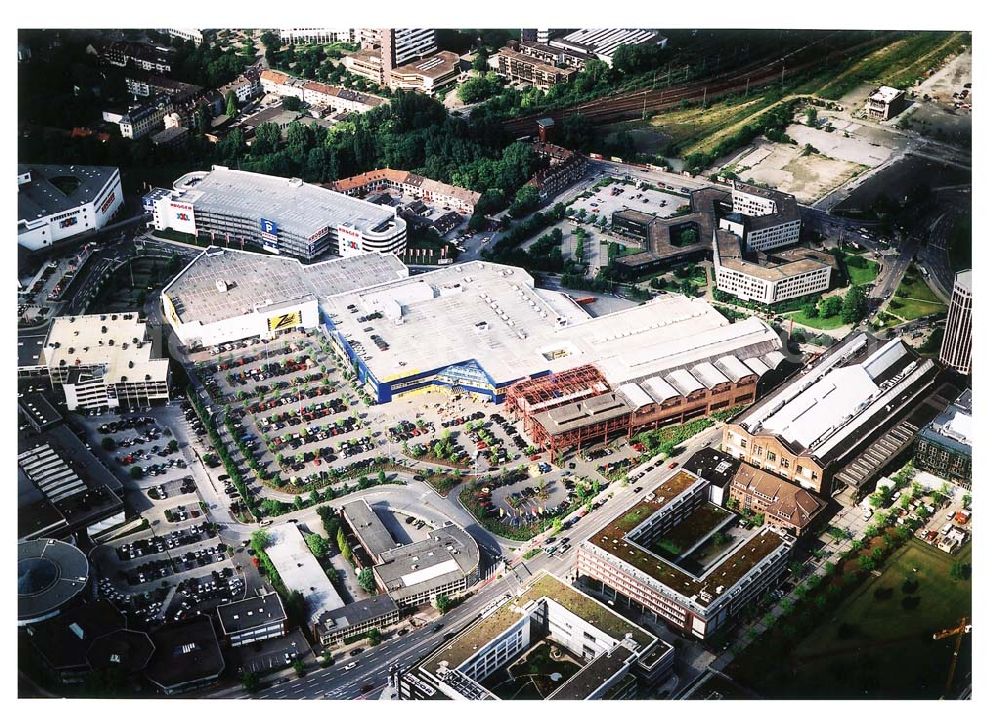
(374, 637)
(830, 306)
(855, 305)
(108, 443)
(966, 500)
(345, 548)
(557, 526)
(688, 236)
(260, 540)
(526, 200)
(250, 681)
(318, 545)
(135, 472)
(811, 116)
(299, 667)
(232, 107)
(367, 580)
(443, 603)
(481, 63)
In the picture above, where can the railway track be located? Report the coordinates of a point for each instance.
(630, 105)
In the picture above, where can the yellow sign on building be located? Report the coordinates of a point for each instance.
(284, 321)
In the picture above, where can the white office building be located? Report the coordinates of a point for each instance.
(317, 35)
(59, 202)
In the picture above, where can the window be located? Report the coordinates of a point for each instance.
(770, 456)
(798, 469)
(784, 463)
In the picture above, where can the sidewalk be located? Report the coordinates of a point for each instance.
(834, 552)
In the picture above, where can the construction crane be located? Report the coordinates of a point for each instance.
(958, 632)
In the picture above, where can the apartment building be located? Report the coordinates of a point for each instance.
(565, 58)
(956, 348)
(142, 120)
(151, 84)
(246, 86)
(136, 55)
(105, 361)
(564, 168)
(521, 68)
(337, 98)
(429, 190)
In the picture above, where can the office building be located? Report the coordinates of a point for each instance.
(280, 215)
(90, 637)
(944, 446)
(102, 362)
(57, 203)
(446, 562)
(193, 35)
(323, 36)
(51, 577)
(769, 277)
(253, 619)
(301, 572)
(355, 619)
(63, 489)
(187, 656)
(884, 102)
(428, 74)
(956, 348)
(602, 43)
(762, 218)
(837, 409)
(611, 657)
(522, 68)
(656, 556)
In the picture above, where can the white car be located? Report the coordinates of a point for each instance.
(350, 666)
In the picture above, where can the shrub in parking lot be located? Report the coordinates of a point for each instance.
(135, 472)
(108, 443)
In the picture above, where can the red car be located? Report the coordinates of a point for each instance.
(673, 465)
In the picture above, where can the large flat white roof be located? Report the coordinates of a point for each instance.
(256, 280)
(300, 571)
(294, 206)
(839, 395)
(492, 314)
(118, 341)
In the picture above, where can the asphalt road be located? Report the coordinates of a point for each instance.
(373, 665)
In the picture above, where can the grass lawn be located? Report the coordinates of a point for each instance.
(862, 275)
(816, 323)
(915, 299)
(877, 643)
(686, 534)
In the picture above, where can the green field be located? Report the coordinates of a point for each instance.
(862, 275)
(816, 323)
(877, 644)
(915, 299)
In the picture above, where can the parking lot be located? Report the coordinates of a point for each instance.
(607, 200)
